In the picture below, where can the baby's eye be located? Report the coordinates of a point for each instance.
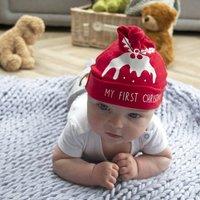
(103, 106)
(134, 115)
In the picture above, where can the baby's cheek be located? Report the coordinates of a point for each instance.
(93, 120)
(96, 124)
(131, 132)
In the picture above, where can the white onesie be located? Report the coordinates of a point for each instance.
(78, 140)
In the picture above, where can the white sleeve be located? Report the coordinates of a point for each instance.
(72, 140)
(154, 140)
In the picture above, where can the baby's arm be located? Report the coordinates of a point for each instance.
(152, 165)
(144, 166)
(81, 172)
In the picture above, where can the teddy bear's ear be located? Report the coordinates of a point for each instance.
(32, 28)
(173, 14)
(34, 24)
(36, 27)
(21, 21)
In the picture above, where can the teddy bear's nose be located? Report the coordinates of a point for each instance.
(146, 19)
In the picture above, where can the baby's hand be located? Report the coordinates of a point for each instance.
(128, 168)
(105, 174)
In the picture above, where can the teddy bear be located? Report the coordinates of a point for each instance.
(157, 20)
(15, 44)
(112, 6)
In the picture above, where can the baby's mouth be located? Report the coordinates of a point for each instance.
(113, 135)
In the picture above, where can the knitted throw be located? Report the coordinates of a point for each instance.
(32, 115)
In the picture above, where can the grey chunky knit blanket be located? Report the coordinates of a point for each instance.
(32, 115)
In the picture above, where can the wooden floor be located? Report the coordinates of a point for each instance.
(56, 56)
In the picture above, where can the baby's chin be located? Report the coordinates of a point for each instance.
(112, 138)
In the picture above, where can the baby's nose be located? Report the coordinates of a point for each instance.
(116, 121)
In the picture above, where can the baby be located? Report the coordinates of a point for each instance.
(111, 131)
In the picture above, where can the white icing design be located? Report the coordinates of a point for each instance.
(136, 64)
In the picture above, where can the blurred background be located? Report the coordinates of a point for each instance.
(59, 53)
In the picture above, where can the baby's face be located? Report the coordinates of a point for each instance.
(115, 123)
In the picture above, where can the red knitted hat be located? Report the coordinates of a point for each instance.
(129, 72)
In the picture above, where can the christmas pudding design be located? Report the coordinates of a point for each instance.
(136, 59)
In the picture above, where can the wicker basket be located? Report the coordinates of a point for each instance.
(97, 29)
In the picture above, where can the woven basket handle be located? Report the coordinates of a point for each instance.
(99, 27)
